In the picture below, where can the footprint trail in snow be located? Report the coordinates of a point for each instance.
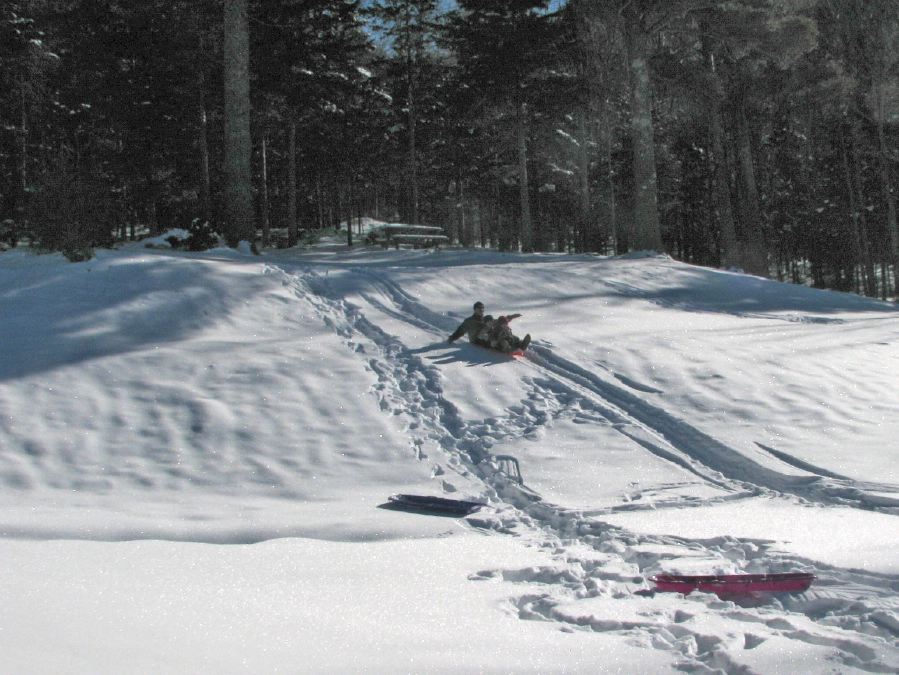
(598, 582)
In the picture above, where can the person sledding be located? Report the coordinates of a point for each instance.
(501, 337)
(485, 331)
(474, 326)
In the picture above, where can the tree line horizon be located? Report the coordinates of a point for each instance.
(761, 135)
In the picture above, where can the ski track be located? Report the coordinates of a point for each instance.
(660, 432)
(851, 613)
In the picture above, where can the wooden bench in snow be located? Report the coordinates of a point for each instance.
(417, 236)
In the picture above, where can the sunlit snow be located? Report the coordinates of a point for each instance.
(196, 451)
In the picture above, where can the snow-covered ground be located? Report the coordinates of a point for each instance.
(196, 451)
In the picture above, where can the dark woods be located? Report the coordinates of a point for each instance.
(753, 134)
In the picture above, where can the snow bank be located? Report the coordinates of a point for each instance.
(196, 449)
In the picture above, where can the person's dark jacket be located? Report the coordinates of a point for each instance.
(472, 326)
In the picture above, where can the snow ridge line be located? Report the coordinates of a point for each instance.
(615, 559)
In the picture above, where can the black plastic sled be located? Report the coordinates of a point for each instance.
(429, 504)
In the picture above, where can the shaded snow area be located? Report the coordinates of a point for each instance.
(196, 451)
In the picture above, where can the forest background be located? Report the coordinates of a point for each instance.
(748, 134)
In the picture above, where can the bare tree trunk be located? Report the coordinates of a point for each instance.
(336, 207)
(263, 206)
(203, 143)
(464, 234)
(527, 229)
(858, 267)
(861, 253)
(585, 215)
(724, 213)
(723, 208)
(413, 158)
(319, 201)
(123, 205)
(22, 186)
(887, 183)
(870, 267)
(152, 219)
(754, 254)
(610, 177)
(647, 233)
(293, 233)
(349, 213)
(238, 145)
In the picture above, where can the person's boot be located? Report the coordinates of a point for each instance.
(525, 341)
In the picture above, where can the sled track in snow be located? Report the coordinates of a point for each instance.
(674, 439)
(660, 432)
(854, 613)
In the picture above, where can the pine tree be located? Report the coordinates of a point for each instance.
(741, 42)
(409, 26)
(26, 61)
(307, 79)
(502, 48)
(863, 35)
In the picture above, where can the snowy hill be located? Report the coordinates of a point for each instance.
(196, 449)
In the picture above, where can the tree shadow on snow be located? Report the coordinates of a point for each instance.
(94, 310)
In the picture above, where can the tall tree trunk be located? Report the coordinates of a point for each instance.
(887, 185)
(647, 233)
(527, 229)
(349, 213)
(610, 180)
(293, 233)
(263, 196)
(152, 219)
(720, 185)
(238, 144)
(203, 144)
(724, 213)
(585, 234)
(319, 198)
(755, 258)
(22, 187)
(870, 267)
(464, 234)
(412, 150)
(858, 267)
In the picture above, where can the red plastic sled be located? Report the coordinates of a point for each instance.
(730, 584)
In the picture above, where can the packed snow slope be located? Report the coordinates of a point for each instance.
(196, 451)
